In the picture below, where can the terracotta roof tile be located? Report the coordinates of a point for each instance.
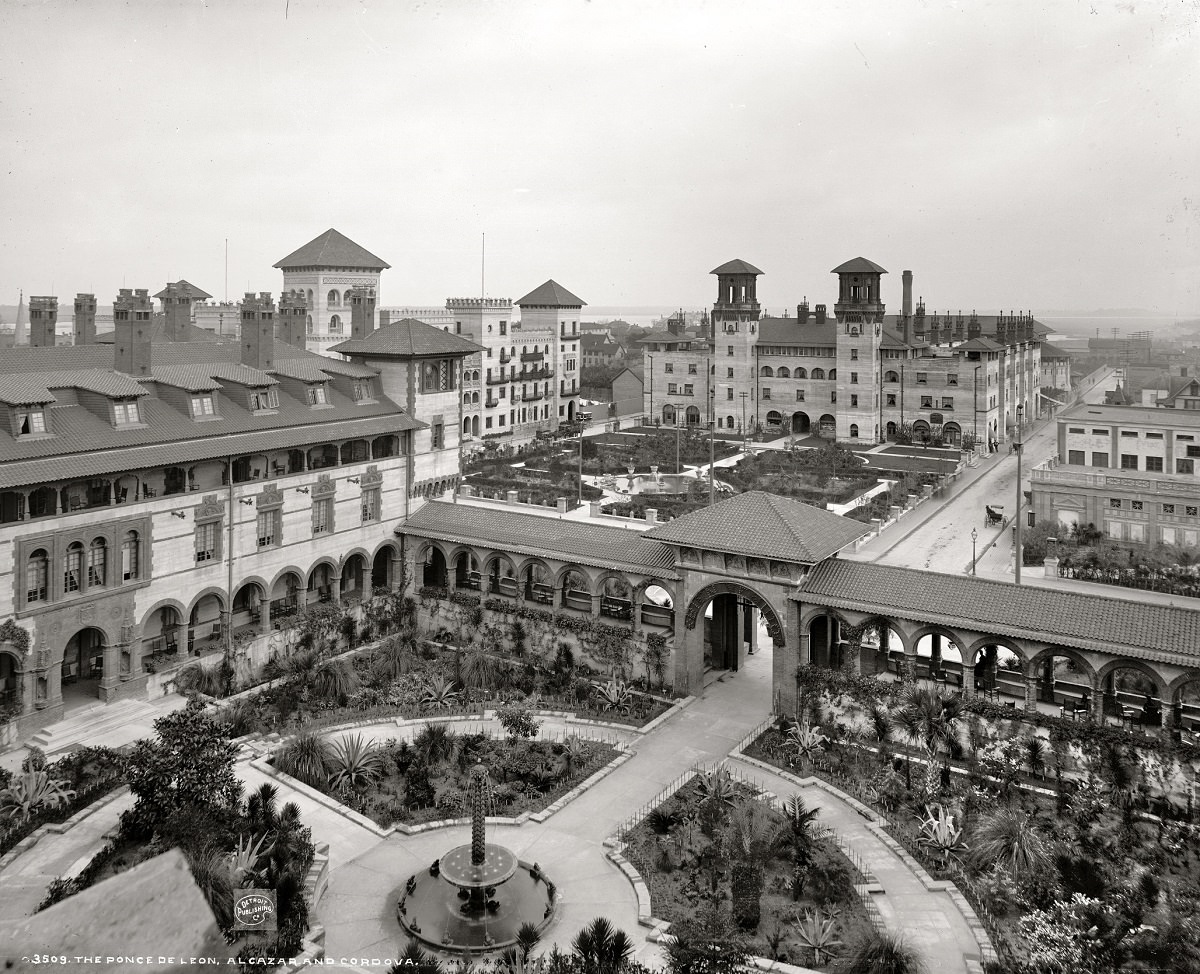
(407, 337)
(551, 295)
(763, 525)
(332, 249)
(859, 265)
(736, 267)
(187, 289)
(597, 545)
(1163, 633)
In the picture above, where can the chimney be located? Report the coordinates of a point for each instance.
(292, 323)
(385, 317)
(258, 330)
(906, 301)
(85, 319)
(132, 327)
(802, 311)
(1029, 327)
(820, 314)
(362, 312)
(177, 314)
(43, 317)
(919, 320)
(973, 326)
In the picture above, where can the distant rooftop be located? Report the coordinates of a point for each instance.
(332, 249)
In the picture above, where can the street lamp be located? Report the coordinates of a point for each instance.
(974, 538)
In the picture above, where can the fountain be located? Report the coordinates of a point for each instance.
(458, 904)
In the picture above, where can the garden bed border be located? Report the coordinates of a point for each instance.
(57, 828)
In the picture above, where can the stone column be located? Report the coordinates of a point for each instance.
(397, 572)
(1031, 688)
(637, 610)
(968, 678)
(753, 627)
(264, 615)
(596, 597)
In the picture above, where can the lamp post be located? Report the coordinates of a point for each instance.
(975, 422)
(581, 466)
(712, 450)
(974, 538)
(1020, 497)
(745, 432)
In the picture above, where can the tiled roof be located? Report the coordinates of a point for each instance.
(332, 249)
(1166, 634)
(792, 331)
(665, 336)
(158, 333)
(859, 265)
(891, 339)
(763, 525)
(516, 532)
(305, 370)
(1052, 351)
(736, 267)
(34, 388)
(331, 365)
(980, 344)
(187, 289)
(407, 337)
(551, 295)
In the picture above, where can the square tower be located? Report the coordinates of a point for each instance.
(258, 330)
(84, 324)
(43, 319)
(132, 313)
(859, 314)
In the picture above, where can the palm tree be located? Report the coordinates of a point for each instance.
(479, 667)
(260, 807)
(750, 839)
(210, 871)
(881, 728)
(333, 681)
(306, 757)
(394, 654)
(528, 937)
(1008, 839)
(435, 743)
(930, 719)
(30, 791)
(803, 830)
(603, 949)
(415, 957)
(353, 764)
(882, 952)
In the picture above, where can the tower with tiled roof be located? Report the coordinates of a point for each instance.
(553, 312)
(859, 313)
(326, 270)
(734, 331)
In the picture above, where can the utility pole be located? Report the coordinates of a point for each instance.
(581, 466)
(745, 432)
(712, 426)
(1017, 444)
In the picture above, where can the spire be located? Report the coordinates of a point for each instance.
(19, 334)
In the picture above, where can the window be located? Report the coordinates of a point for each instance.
(691, 368)
(97, 562)
(32, 421)
(951, 378)
(729, 350)
(125, 413)
(1193, 451)
(1114, 529)
(317, 396)
(1137, 532)
(206, 541)
(766, 371)
(1154, 436)
(833, 396)
(1129, 461)
(1076, 457)
(130, 556)
(853, 378)
(1168, 508)
(891, 377)
(261, 399)
(322, 516)
(669, 368)
(854, 355)
(766, 393)
(1099, 459)
(1099, 432)
(947, 402)
(437, 436)
(729, 373)
(1075, 429)
(853, 400)
(37, 571)
(1185, 466)
(1190, 510)
(672, 388)
(73, 568)
(799, 395)
(370, 505)
(1131, 433)
(891, 399)
(266, 529)
(728, 393)
(927, 402)
(1135, 505)
(854, 431)
(202, 405)
(1114, 502)
(922, 378)
(687, 389)
(1154, 464)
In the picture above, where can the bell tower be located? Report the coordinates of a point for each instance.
(733, 331)
(859, 313)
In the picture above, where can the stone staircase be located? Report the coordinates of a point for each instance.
(112, 725)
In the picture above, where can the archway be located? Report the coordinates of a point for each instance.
(247, 606)
(891, 430)
(502, 577)
(381, 567)
(730, 613)
(354, 572)
(576, 590)
(997, 668)
(320, 583)
(433, 571)
(774, 418)
(692, 416)
(10, 679)
(658, 607)
(881, 647)
(285, 595)
(535, 583)
(83, 664)
(1184, 694)
(615, 598)
(466, 571)
(1063, 680)
(801, 423)
(570, 410)
(204, 623)
(668, 415)
(828, 426)
(1132, 694)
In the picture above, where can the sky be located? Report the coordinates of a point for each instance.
(1012, 154)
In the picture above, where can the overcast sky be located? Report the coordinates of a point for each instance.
(1013, 154)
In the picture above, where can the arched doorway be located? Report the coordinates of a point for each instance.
(354, 573)
(535, 584)
(83, 665)
(692, 417)
(10, 679)
(828, 426)
(502, 578)
(285, 596)
(433, 570)
(247, 607)
(466, 571)
(381, 568)
(729, 630)
(997, 671)
(576, 591)
(570, 409)
(204, 624)
(1063, 680)
(668, 415)
(801, 423)
(1131, 695)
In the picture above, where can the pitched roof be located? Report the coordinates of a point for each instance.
(332, 249)
(158, 333)
(550, 295)
(1050, 351)
(1167, 634)
(793, 331)
(407, 337)
(736, 267)
(34, 388)
(980, 344)
(859, 265)
(187, 290)
(597, 545)
(763, 525)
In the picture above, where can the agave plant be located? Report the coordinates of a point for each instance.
(716, 787)
(818, 931)
(439, 694)
(939, 832)
(354, 763)
(807, 741)
(613, 694)
(243, 861)
(30, 791)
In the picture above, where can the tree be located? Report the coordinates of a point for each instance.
(602, 948)
(803, 831)
(706, 943)
(306, 757)
(189, 764)
(1008, 839)
(517, 721)
(749, 841)
(882, 952)
(395, 653)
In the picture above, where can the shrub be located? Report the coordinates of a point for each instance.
(305, 757)
(517, 721)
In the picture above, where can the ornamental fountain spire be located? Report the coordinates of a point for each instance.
(481, 802)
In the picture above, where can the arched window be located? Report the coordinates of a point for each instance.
(784, 372)
(130, 556)
(466, 399)
(818, 373)
(37, 574)
(346, 297)
(466, 424)
(310, 300)
(891, 376)
(73, 568)
(97, 563)
(335, 323)
(800, 374)
(854, 431)
(833, 373)
(729, 422)
(308, 323)
(333, 299)
(766, 371)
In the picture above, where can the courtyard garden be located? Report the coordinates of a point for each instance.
(1076, 846)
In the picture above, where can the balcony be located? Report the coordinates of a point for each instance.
(505, 358)
(532, 356)
(491, 403)
(498, 380)
(533, 397)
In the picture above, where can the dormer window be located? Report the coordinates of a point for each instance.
(364, 389)
(31, 421)
(262, 400)
(202, 406)
(126, 413)
(317, 396)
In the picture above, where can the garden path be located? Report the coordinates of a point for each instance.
(929, 920)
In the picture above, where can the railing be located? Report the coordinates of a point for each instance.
(616, 608)
(532, 356)
(658, 615)
(471, 580)
(498, 380)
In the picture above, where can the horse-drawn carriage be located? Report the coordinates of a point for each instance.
(993, 515)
